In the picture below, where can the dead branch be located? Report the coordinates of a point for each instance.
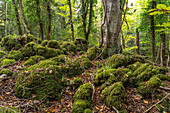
(93, 90)
(164, 88)
(115, 109)
(157, 103)
(100, 54)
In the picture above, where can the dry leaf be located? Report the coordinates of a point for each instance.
(145, 101)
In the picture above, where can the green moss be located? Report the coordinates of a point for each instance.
(44, 43)
(94, 52)
(53, 44)
(79, 106)
(2, 53)
(143, 90)
(69, 46)
(28, 50)
(81, 44)
(7, 61)
(165, 104)
(141, 69)
(81, 52)
(6, 71)
(87, 111)
(164, 77)
(84, 92)
(103, 76)
(153, 83)
(9, 109)
(59, 59)
(15, 55)
(76, 82)
(134, 66)
(114, 95)
(86, 63)
(51, 53)
(33, 60)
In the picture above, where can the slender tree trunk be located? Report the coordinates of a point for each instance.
(6, 10)
(168, 60)
(17, 17)
(123, 41)
(137, 42)
(111, 28)
(39, 20)
(49, 19)
(163, 48)
(23, 18)
(153, 33)
(71, 20)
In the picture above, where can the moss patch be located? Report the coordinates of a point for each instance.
(7, 61)
(33, 60)
(2, 53)
(80, 106)
(53, 44)
(44, 43)
(86, 63)
(81, 44)
(28, 50)
(15, 55)
(76, 82)
(6, 71)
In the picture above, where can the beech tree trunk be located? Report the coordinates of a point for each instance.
(137, 42)
(163, 49)
(17, 17)
(153, 33)
(112, 18)
(23, 18)
(49, 19)
(71, 20)
(39, 20)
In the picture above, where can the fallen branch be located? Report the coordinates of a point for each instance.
(164, 88)
(115, 109)
(157, 103)
(93, 90)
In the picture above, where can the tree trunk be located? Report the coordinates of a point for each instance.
(153, 33)
(71, 20)
(137, 42)
(39, 20)
(6, 10)
(23, 18)
(163, 48)
(17, 17)
(111, 28)
(168, 60)
(49, 19)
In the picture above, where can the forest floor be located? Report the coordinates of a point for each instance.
(132, 104)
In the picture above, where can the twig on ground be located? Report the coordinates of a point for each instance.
(164, 88)
(115, 109)
(157, 103)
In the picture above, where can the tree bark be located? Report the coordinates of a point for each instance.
(23, 18)
(49, 19)
(153, 33)
(112, 25)
(6, 10)
(39, 20)
(163, 48)
(137, 42)
(17, 17)
(71, 20)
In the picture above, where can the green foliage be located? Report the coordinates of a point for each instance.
(9, 109)
(44, 43)
(2, 53)
(6, 71)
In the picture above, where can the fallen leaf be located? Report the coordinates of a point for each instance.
(97, 108)
(145, 101)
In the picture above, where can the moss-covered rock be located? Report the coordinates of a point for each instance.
(114, 95)
(7, 61)
(84, 92)
(40, 50)
(6, 71)
(26, 39)
(103, 76)
(153, 83)
(69, 47)
(164, 77)
(76, 82)
(44, 43)
(53, 44)
(38, 40)
(143, 90)
(141, 69)
(134, 66)
(2, 53)
(28, 50)
(15, 55)
(80, 106)
(86, 63)
(94, 52)
(81, 44)
(33, 60)
(44, 80)
(87, 111)
(59, 59)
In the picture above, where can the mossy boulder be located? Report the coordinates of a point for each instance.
(94, 52)
(2, 53)
(44, 43)
(76, 82)
(40, 50)
(80, 106)
(59, 59)
(88, 111)
(106, 75)
(114, 95)
(134, 66)
(26, 39)
(10, 42)
(141, 69)
(143, 90)
(86, 63)
(15, 55)
(84, 92)
(7, 61)
(33, 60)
(68, 47)
(28, 50)
(81, 44)
(53, 44)
(164, 77)
(38, 40)
(72, 68)
(6, 71)
(44, 80)
(153, 83)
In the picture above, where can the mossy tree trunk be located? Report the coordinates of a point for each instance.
(112, 18)
(137, 41)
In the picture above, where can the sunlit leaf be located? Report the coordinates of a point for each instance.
(161, 7)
